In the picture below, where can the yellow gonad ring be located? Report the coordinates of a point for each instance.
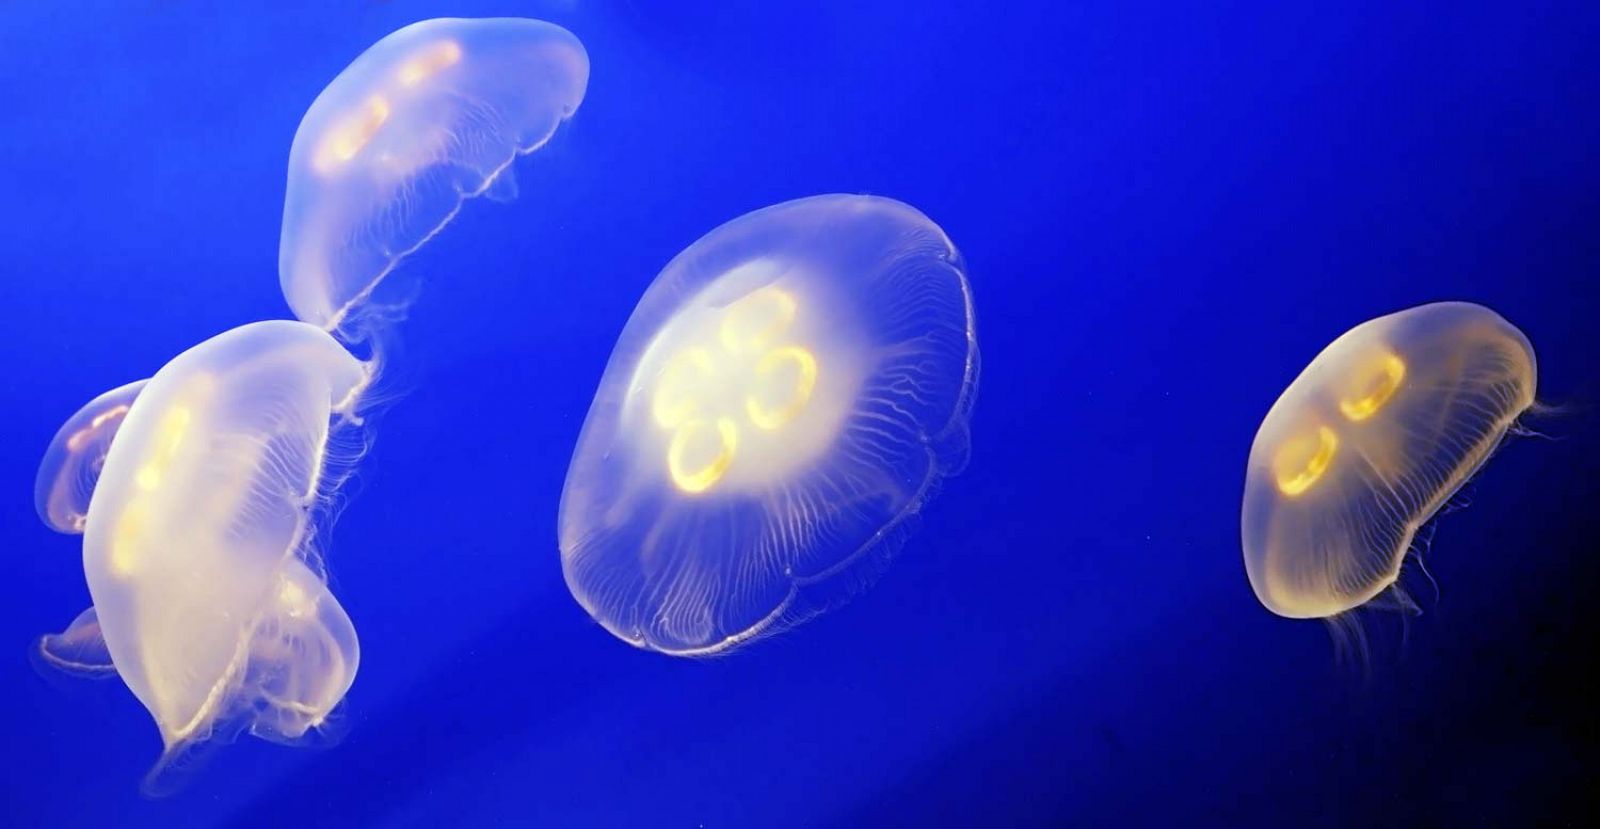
(420, 68)
(126, 537)
(80, 437)
(756, 319)
(695, 432)
(173, 427)
(1381, 385)
(351, 135)
(1301, 463)
(805, 382)
(673, 403)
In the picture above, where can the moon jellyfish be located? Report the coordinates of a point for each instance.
(428, 117)
(786, 397)
(197, 547)
(72, 462)
(79, 650)
(1368, 443)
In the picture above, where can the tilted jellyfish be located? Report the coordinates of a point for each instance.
(428, 117)
(788, 393)
(79, 650)
(1368, 443)
(197, 545)
(72, 462)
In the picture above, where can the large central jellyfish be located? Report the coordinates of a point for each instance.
(197, 548)
(787, 394)
(426, 118)
(1368, 443)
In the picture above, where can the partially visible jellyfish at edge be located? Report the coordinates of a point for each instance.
(785, 399)
(208, 598)
(1368, 443)
(428, 117)
(78, 651)
(73, 460)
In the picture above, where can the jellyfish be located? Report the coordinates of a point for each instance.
(428, 117)
(73, 460)
(1367, 444)
(786, 397)
(208, 600)
(80, 650)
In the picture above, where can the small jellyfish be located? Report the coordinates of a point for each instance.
(303, 656)
(787, 395)
(197, 547)
(80, 650)
(72, 462)
(1368, 443)
(426, 118)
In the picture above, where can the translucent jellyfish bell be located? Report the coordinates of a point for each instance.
(429, 116)
(303, 656)
(1368, 443)
(73, 460)
(787, 394)
(80, 650)
(196, 548)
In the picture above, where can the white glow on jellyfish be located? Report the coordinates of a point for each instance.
(786, 395)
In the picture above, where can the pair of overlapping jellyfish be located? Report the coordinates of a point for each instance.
(198, 491)
(1368, 443)
(786, 397)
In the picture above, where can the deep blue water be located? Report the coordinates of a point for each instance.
(1167, 209)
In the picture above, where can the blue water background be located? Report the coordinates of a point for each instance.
(1167, 208)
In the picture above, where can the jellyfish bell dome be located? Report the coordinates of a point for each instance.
(785, 398)
(1367, 444)
(428, 117)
